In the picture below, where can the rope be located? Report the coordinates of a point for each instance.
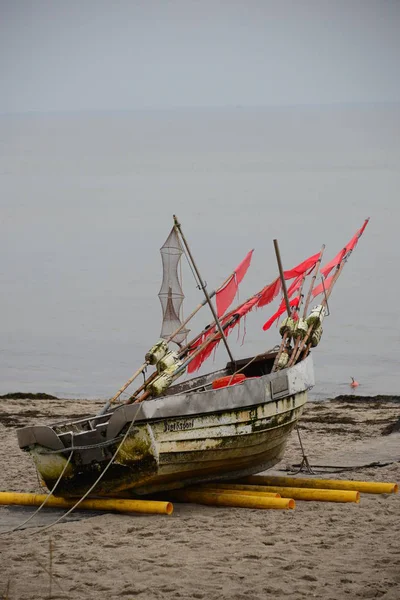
(88, 447)
(244, 367)
(86, 494)
(304, 465)
(199, 286)
(340, 468)
(181, 284)
(44, 501)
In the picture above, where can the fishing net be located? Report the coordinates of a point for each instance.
(171, 295)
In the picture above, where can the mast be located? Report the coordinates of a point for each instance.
(281, 275)
(203, 287)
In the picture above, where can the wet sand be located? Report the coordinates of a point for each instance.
(319, 550)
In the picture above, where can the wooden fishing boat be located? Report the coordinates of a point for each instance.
(195, 433)
(223, 425)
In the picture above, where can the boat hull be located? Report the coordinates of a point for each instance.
(241, 430)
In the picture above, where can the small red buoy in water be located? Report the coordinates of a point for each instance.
(354, 383)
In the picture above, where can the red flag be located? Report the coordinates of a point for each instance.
(226, 295)
(241, 311)
(196, 363)
(202, 356)
(333, 263)
(241, 270)
(272, 290)
(279, 312)
(269, 293)
(295, 285)
(321, 287)
(348, 248)
(302, 268)
(246, 307)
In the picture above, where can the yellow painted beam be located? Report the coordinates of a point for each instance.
(112, 504)
(308, 493)
(220, 498)
(366, 487)
(234, 489)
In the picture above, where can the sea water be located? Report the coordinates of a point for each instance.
(87, 200)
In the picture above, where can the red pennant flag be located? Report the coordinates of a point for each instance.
(295, 285)
(269, 293)
(196, 363)
(348, 248)
(241, 270)
(201, 357)
(279, 312)
(321, 287)
(226, 295)
(302, 268)
(246, 307)
(241, 311)
(333, 263)
(353, 242)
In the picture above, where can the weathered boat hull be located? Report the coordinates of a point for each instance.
(177, 440)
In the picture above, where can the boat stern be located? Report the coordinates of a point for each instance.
(79, 459)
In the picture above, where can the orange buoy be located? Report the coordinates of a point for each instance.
(354, 383)
(229, 380)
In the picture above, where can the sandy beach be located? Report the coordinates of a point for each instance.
(319, 550)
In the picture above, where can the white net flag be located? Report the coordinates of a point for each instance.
(171, 294)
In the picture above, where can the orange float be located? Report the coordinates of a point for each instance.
(228, 380)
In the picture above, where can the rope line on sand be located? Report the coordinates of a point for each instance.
(343, 467)
(44, 501)
(85, 495)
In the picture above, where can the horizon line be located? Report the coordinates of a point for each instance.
(236, 106)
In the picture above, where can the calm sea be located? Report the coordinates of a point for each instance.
(87, 200)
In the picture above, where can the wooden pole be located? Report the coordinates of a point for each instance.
(203, 287)
(305, 346)
(314, 277)
(281, 275)
(295, 352)
(284, 344)
(122, 389)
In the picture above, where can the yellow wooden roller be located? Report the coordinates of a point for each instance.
(112, 504)
(307, 493)
(247, 490)
(367, 487)
(220, 498)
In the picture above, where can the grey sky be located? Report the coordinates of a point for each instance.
(123, 54)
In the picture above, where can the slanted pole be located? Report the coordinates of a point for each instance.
(281, 275)
(314, 277)
(196, 310)
(284, 344)
(306, 343)
(213, 338)
(203, 287)
(108, 404)
(296, 352)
